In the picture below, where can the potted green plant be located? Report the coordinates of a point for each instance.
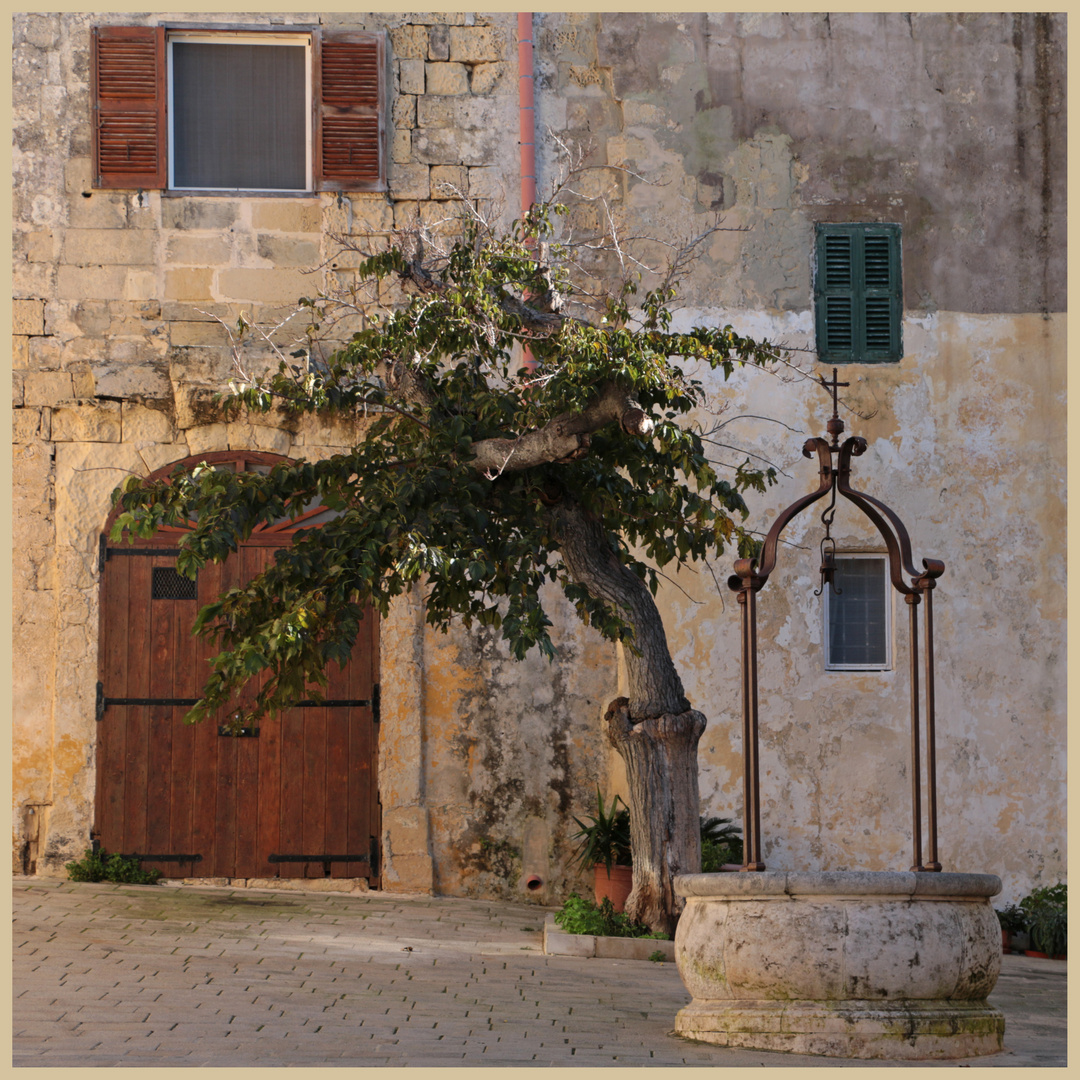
(1046, 913)
(604, 845)
(1013, 923)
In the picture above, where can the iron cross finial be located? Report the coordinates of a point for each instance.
(835, 425)
(834, 385)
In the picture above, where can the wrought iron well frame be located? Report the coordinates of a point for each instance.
(749, 579)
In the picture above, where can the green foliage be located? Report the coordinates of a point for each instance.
(605, 838)
(90, 868)
(100, 866)
(1012, 919)
(721, 843)
(413, 508)
(581, 916)
(1046, 911)
(657, 957)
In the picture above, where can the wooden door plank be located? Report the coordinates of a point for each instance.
(226, 774)
(266, 833)
(313, 832)
(361, 827)
(204, 772)
(159, 765)
(136, 737)
(189, 674)
(251, 562)
(336, 810)
(374, 805)
(268, 838)
(292, 791)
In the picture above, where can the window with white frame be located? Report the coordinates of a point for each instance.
(239, 111)
(858, 630)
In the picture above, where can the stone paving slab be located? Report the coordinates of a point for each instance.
(150, 976)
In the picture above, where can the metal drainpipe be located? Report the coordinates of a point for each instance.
(526, 110)
(527, 128)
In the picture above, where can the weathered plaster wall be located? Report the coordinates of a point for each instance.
(978, 486)
(951, 125)
(517, 754)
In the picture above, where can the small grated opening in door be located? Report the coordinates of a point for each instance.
(167, 584)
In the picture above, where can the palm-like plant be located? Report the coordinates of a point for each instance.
(606, 837)
(721, 843)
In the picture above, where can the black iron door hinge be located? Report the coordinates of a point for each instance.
(326, 860)
(194, 858)
(105, 553)
(102, 703)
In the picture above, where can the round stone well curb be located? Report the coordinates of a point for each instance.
(865, 964)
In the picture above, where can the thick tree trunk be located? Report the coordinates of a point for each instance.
(654, 730)
(587, 552)
(662, 770)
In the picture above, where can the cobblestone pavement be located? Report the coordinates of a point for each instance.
(114, 975)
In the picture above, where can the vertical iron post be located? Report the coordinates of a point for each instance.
(748, 807)
(912, 600)
(931, 747)
(755, 862)
(751, 788)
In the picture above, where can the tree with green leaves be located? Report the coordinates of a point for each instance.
(523, 427)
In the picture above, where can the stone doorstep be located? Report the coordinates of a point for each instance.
(320, 885)
(556, 943)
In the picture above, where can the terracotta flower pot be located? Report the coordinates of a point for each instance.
(614, 886)
(1044, 956)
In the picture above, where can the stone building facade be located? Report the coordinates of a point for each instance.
(951, 127)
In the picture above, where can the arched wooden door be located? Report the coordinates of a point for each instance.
(294, 797)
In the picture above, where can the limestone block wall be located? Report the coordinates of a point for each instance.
(124, 302)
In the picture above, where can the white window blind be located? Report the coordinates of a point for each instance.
(857, 616)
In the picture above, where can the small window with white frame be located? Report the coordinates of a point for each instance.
(858, 614)
(239, 111)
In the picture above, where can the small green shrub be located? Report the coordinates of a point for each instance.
(100, 866)
(1012, 919)
(1046, 911)
(581, 916)
(90, 868)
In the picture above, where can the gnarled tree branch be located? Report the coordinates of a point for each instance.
(564, 438)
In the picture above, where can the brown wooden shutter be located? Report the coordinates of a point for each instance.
(128, 85)
(350, 124)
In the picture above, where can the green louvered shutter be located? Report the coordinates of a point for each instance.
(858, 294)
